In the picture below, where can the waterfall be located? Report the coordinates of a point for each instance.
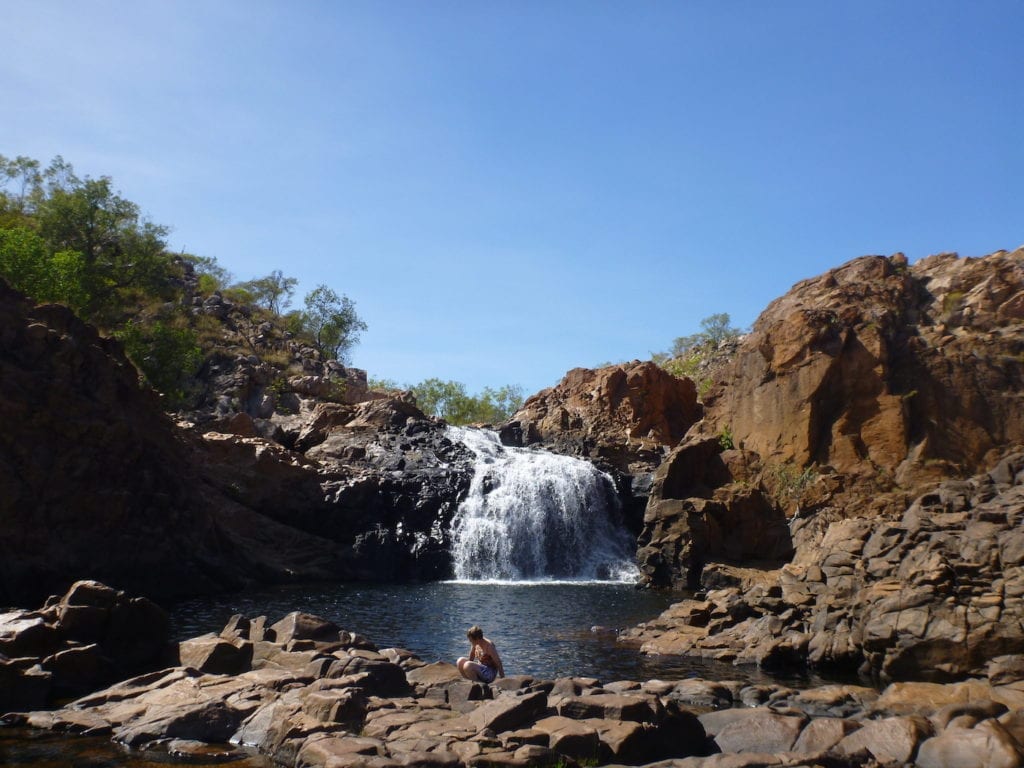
(533, 515)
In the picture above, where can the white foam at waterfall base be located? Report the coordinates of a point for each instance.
(531, 515)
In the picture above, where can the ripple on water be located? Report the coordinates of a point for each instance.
(546, 629)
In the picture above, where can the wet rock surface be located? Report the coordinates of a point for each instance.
(309, 693)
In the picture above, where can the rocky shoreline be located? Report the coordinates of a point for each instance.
(308, 693)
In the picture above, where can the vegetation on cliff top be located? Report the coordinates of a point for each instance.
(450, 401)
(692, 356)
(78, 242)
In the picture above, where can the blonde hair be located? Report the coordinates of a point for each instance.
(474, 633)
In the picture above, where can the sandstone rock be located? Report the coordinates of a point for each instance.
(623, 415)
(984, 746)
(216, 655)
(696, 514)
(439, 673)
(756, 730)
(930, 594)
(571, 737)
(612, 706)
(209, 721)
(890, 740)
(303, 626)
(77, 670)
(336, 706)
(846, 368)
(24, 634)
(539, 755)
(508, 711)
(147, 520)
(323, 749)
(822, 734)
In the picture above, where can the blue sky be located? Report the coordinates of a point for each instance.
(508, 190)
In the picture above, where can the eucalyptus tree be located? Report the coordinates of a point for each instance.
(332, 321)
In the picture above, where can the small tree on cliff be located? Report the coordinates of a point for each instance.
(332, 321)
(274, 292)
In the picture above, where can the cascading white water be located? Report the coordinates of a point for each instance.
(533, 515)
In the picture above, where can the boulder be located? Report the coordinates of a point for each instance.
(889, 740)
(508, 711)
(984, 746)
(579, 740)
(216, 655)
(303, 626)
(640, 709)
(756, 730)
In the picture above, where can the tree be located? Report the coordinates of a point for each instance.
(449, 400)
(211, 275)
(716, 329)
(28, 265)
(120, 250)
(332, 321)
(274, 292)
(444, 399)
(20, 184)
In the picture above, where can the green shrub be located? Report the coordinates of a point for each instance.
(167, 356)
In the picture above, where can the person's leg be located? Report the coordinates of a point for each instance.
(470, 669)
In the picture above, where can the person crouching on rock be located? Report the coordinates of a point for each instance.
(484, 663)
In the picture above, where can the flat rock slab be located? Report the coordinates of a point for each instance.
(508, 712)
(614, 706)
(892, 740)
(760, 731)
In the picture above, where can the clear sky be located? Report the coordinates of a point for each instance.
(508, 190)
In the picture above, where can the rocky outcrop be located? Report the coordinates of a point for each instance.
(624, 416)
(703, 507)
(826, 440)
(75, 644)
(856, 390)
(308, 693)
(379, 479)
(934, 593)
(878, 366)
(313, 694)
(97, 482)
(93, 481)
